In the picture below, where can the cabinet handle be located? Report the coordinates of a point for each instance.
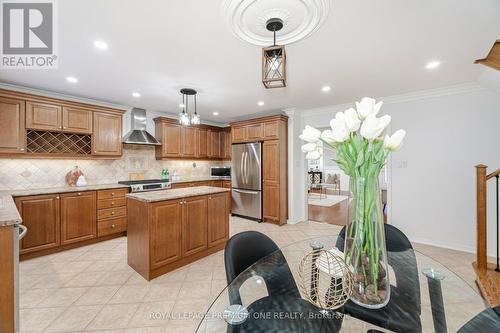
(21, 149)
(79, 193)
(58, 198)
(64, 127)
(112, 194)
(112, 213)
(112, 203)
(112, 226)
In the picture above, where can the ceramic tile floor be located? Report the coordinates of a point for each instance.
(93, 289)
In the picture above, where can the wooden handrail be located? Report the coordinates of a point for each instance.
(493, 174)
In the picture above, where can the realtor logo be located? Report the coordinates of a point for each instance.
(28, 34)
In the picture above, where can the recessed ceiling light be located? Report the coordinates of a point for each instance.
(215, 113)
(101, 45)
(326, 88)
(260, 103)
(433, 64)
(136, 94)
(71, 79)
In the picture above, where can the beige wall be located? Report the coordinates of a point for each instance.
(40, 173)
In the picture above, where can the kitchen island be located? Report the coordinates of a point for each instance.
(171, 228)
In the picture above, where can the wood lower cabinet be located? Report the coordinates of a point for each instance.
(194, 225)
(8, 279)
(165, 235)
(107, 138)
(12, 126)
(76, 120)
(218, 228)
(41, 216)
(166, 225)
(271, 205)
(43, 116)
(78, 217)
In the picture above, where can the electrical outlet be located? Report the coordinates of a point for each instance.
(403, 164)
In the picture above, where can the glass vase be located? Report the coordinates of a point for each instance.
(365, 248)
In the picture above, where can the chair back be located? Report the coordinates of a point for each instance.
(245, 249)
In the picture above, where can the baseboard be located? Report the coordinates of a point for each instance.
(450, 246)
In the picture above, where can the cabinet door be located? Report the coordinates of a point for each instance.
(218, 219)
(255, 132)
(228, 145)
(194, 225)
(271, 130)
(271, 202)
(171, 140)
(107, 135)
(202, 137)
(40, 215)
(188, 141)
(165, 233)
(12, 130)
(223, 146)
(271, 162)
(214, 152)
(77, 120)
(78, 217)
(238, 134)
(41, 116)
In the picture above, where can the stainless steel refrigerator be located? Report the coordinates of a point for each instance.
(246, 179)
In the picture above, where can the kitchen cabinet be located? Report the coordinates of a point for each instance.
(77, 120)
(218, 229)
(78, 217)
(165, 235)
(202, 142)
(202, 138)
(166, 224)
(111, 211)
(107, 135)
(225, 144)
(273, 132)
(12, 126)
(40, 215)
(43, 116)
(194, 225)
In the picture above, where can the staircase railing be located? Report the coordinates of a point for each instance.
(481, 216)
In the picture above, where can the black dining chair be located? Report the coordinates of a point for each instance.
(402, 312)
(486, 321)
(252, 253)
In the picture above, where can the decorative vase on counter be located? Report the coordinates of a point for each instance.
(360, 149)
(365, 247)
(81, 181)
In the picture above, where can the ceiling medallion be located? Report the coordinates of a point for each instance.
(247, 19)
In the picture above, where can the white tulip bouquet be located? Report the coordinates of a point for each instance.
(357, 137)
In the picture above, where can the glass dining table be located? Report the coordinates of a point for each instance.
(442, 302)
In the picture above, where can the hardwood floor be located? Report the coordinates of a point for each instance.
(336, 214)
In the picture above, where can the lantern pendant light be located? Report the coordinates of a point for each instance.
(184, 118)
(274, 59)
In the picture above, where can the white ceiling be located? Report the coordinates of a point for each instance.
(364, 48)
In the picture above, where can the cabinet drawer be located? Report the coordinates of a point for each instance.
(111, 212)
(111, 203)
(112, 194)
(111, 226)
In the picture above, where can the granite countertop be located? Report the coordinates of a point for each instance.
(177, 193)
(198, 179)
(8, 210)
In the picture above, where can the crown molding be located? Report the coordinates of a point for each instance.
(408, 97)
(51, 94)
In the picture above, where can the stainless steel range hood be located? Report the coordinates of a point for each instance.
(138, 134)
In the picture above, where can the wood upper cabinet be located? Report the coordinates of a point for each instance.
(77, 120)
(214, 150)
(238, 133)
(165, 232)
(188, 142)
(218, 212)
(107, 137)
(255, 132)
(225, 145)
(78, 217)
(194, 225)
(170, 137)
(12, 126)
(41, 116)
(271, 130)
(40, 215)
(202, 137)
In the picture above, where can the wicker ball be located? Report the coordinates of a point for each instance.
(324, 279)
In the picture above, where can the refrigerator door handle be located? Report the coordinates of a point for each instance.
(241, 166)
(245, 191)
(246, 168)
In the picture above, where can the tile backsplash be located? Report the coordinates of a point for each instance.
(40, 173)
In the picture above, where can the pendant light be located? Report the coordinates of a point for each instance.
(184, 118)
(274, 59)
